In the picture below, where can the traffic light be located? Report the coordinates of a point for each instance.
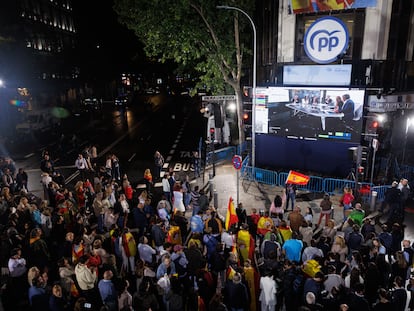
(361, 170)
(245, 117)
(212, 134)
(372, 127)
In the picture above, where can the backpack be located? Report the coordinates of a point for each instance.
(175, 302)
(181, 271)
(211, 245)
(299, 283)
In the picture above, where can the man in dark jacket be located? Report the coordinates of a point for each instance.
(139, 219)
(392, 198)
(236, 295)
(355, 239)
(158, 235)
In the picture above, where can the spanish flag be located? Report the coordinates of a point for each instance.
(302, 6)
(296, 178)
(231, 217)
(245, 243)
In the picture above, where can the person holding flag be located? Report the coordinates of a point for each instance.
(294, 179)
(231, 216)
(245, 244)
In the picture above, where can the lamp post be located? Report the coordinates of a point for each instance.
(254, 81)
(409, 123)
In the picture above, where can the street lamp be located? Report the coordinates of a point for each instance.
(410, 122)
(254, 81)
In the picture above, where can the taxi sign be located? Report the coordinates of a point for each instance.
(237, 162)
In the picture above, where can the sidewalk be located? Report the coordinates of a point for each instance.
(259, 196)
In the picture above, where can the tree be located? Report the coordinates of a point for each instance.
(194, 34)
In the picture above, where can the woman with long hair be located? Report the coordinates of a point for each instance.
(148, 180)
(353, 278)
(339, 247)
(178, 203)
(399, 266)
(80, 195)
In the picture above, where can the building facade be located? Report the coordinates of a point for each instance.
(37, 44)
(378, 59)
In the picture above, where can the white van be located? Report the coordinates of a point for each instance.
(221, 135)
(37, 121)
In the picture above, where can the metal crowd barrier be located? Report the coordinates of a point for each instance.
(332, 186)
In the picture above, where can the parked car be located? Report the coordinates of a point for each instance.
(121, 100)
(91, 104)
(37, 121)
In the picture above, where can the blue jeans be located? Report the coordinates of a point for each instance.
(290, 197)
(187, 199)
(100, 223)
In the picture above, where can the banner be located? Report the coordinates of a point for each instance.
(231, 216)
(296, 178)
(313, 6)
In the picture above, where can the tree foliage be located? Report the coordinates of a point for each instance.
(197, 36)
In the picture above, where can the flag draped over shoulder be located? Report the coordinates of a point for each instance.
(231, 216)
(245, 243)
(296, 178)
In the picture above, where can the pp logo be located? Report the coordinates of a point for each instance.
(325, 39)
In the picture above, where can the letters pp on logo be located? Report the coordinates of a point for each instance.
(325, 39)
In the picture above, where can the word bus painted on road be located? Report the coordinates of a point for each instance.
(183, 167)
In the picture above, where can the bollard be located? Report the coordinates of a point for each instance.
(211, 189)
(373, 202)
(215, 195)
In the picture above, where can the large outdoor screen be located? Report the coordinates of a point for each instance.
(311, 113)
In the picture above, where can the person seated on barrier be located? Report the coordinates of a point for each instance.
(356, 216)
(346, 201)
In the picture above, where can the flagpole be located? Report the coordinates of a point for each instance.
(237, 177)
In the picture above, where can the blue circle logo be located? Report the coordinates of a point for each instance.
(325, 39)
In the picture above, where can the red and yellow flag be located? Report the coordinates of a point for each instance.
(296, 178)
(245, 243)
(231, 216)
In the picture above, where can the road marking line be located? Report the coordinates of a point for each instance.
(133, 156)
(172, 151)
(158, 184)
(141, 186)
(166, 164)
(162, 174)
(174, 146)
(169, 158)
(29, 155)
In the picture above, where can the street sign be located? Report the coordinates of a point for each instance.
(237, 162)
(218, 98)
(375, 144)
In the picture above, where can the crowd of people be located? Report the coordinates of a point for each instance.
(105, 245)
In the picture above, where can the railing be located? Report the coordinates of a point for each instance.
(316, 184)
